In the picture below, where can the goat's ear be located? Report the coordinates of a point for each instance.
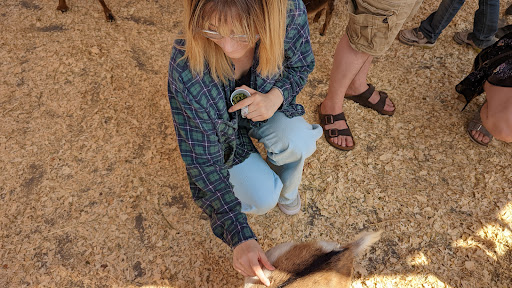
(328, 246)
(365, 240)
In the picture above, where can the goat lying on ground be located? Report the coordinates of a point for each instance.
(63, 7)
(317, 264)
(317, 7)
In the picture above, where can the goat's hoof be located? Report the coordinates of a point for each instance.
(63, 8)
(110, 17)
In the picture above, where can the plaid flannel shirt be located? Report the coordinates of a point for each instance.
(212, 140)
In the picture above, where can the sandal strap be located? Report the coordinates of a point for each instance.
(478, 126)
(363, 99)
(331, 133)
(327, 119)
(379, 106)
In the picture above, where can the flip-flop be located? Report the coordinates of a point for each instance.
(362, 99)
(475, 124)
(326, 119)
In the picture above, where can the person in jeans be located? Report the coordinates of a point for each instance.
(264, 47)
(372, 28)
(485, 25)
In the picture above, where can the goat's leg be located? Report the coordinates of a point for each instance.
(108, 13)
(318, 15)
(62, 6)
(328, 16)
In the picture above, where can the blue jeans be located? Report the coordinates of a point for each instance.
(260, 184)
(485, 21)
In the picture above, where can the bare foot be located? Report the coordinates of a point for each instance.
(480, 136)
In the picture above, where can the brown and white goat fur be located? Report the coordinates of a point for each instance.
(317, 7)
(317, 264)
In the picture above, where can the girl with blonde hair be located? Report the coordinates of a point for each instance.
(262, 46)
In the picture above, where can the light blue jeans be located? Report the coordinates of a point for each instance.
(260, 184)
(485, 21)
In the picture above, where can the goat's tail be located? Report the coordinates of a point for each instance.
(363, 241)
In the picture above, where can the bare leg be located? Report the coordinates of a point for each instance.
(348, 74)
(359, 83)
(496, 114)
(347, 63)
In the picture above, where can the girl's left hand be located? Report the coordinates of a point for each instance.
(261, 106)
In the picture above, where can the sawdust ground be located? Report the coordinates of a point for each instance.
(93, 192)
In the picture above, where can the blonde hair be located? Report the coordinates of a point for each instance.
(266, 18)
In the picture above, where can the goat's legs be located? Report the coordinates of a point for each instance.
(328, 16)
(318, 15)
(108, 13)
(62, 6)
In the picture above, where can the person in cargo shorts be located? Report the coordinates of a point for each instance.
(372, 27)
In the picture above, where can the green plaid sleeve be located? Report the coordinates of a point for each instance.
(299, 58)
(203, 155)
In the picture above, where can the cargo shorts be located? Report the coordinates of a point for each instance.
(374, 24)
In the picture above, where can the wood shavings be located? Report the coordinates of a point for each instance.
(94, 193)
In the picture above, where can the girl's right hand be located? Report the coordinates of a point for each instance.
(261, 106)
(247, 257)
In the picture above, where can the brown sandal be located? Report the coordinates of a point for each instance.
(362, 99)
(326, 119)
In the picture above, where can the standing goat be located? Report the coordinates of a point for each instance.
(317, 264)
(63, 7)
(317, 7)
